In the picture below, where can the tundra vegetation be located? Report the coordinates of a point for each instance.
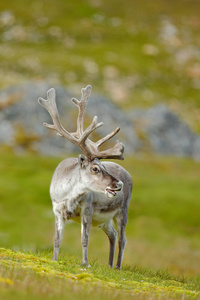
(162, 254)
(139, 53)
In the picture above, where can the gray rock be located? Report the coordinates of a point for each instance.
(196, 152)
(164, 132)
(28, 116)
(7, 132)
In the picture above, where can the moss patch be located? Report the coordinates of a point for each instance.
(22, 267)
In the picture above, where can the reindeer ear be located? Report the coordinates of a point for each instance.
(83, 161)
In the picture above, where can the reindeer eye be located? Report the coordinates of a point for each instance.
(95, 170)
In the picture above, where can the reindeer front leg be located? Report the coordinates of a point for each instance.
(60, 213)
(59, 227)
(86, 218)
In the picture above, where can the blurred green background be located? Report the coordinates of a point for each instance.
(138, 53)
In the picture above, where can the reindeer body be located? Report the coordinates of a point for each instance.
(76, 197)
(85, 189)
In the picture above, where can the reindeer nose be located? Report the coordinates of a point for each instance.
(119, 185)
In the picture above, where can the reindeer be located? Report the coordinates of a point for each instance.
(87, 190)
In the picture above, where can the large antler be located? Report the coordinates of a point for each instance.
(80, 137)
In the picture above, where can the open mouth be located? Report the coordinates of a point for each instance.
(112, 192)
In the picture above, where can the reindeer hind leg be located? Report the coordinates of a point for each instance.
(111, 233)
(121, 222)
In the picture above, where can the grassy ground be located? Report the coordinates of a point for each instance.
(162, 234)
(138, 53)
(37, 276)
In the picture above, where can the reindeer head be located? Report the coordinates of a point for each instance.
(95, 176)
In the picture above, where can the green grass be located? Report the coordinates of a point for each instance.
(39, 276)
(162, 233)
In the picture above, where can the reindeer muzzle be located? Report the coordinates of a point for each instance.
(112, 192)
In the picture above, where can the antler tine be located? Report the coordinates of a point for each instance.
(50, 105)
(86, 92)
(94, 125)
(113, 153)
(82, 104)
(107, 137)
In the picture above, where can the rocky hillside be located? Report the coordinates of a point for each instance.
(155, 130)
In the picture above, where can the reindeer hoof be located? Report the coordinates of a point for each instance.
(110, 266)
(54, 259)
(87, 265)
